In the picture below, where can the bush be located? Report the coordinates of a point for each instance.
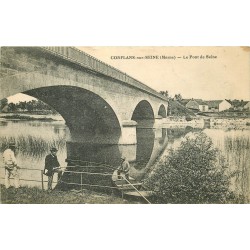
(189, 118)
(194, 173)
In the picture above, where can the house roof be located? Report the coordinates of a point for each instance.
(199, 101)
(214, 103)
(184, 101)
(237, 103)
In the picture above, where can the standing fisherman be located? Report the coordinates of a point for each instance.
(10, 164)
(52, 166)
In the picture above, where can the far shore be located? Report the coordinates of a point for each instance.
(196, 121)
(31, 117)
(201, 121)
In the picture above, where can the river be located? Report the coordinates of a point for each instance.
(35, 138)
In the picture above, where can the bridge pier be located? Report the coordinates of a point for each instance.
(158, 133)
(128, 135)
(158, 121)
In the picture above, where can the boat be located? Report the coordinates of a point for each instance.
(131, 187)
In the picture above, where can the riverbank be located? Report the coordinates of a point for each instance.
(173, 121)
(229, 122)
(213, 122)
(26, 195)
(31, 117)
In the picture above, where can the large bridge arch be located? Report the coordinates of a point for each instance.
(89, 117)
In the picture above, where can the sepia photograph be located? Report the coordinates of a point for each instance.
(124, 125)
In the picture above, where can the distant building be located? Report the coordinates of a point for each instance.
(214, 106)
(218, 105)
(247, 106)
(184, 102)
(224, 105)
(237, 104)
(197, 104)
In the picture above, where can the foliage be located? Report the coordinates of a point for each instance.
(3, 103)
(32, 146)
(176, 109)
(165, 93)
(237, 152)
(178, 97)
(30, 106)
(188, 118)
(194, 173)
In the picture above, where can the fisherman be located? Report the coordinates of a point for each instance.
(52, 166)
(123, 168)
(10, 164)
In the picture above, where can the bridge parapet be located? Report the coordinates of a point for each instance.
(89, 62)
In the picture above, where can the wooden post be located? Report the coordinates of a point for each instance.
(122, 188)
(81, 182)
(42, 179)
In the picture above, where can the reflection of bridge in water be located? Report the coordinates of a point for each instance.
(150, 144)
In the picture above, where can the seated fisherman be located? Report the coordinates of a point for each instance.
(123, 168)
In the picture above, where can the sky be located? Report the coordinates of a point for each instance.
(20, 98)
(225, 77)
(208, 73)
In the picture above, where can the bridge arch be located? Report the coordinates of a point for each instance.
(143, 114)
(162, 111)
(89, 117)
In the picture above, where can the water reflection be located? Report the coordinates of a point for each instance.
(34, 139)
(141, 155)
(3, 123)
(108, 154)
(145, 143)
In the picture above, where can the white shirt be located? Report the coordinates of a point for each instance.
(9, 157)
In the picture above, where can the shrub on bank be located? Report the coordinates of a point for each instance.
(194, 173)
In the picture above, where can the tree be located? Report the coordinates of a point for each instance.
(194, 173)
(30, 106)
(165, 93)
(23, 105)
(12, 107)
(4, 102)
(178, 97)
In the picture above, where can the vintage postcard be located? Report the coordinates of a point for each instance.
(125, 125)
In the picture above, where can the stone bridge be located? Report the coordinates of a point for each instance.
(100, 104)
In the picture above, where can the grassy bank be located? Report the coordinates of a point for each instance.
(25, 195)
(32, 146)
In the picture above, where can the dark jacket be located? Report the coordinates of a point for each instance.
(51, 162)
